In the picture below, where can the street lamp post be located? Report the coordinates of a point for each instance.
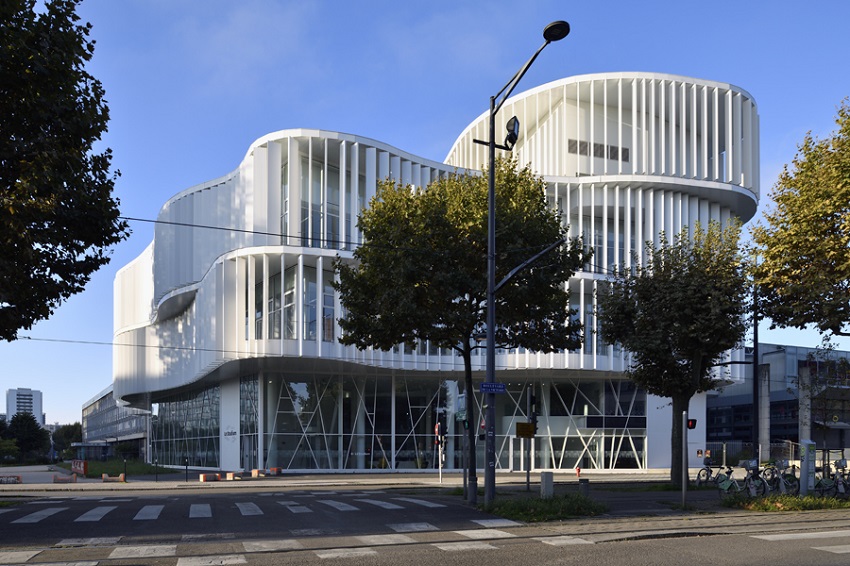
(553, 32)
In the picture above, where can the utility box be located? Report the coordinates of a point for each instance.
(547, 485)
(808, 455)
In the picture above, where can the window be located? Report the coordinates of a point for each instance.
(328, 309)
(601, 151)
(290, 329)
(274, 306)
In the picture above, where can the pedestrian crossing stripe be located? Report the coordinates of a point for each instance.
(39, 515)
(338, 505)
(379, 503)
(839, 549)
(804, 536)
(95, 514)
(149, 513)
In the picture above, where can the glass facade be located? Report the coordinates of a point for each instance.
(185, 429)
(371, 422)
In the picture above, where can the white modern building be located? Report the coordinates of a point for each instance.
(24, 400)
(230, 335)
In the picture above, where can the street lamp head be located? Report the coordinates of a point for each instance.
(513, 133)
(556, 31)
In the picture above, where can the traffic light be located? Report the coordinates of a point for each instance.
(534, 421)
(692, 424)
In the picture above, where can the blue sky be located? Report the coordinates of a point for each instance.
(191, 83)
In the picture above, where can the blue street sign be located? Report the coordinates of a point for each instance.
(492, 387)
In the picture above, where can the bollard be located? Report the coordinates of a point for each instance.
(547, 489)
(584, 487)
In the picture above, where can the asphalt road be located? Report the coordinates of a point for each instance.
(394, 520)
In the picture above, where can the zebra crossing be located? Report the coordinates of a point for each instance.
(302, 504)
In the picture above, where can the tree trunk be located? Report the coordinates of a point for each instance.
(472, 478)
(680, 405)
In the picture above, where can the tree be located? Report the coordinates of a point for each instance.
(422, 274)
(8, 450)
(677, 315)
(57, 213)
(803, 276)
(66, 435)
(32, 440)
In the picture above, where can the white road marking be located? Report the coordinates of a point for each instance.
(482, 534)
(338, 505)
(149, 513)
(563, 540)
(95, 514)
(496, 523)
(150, 551)
(249, 509)
(345, 552)
(39, 515)
(412, 527)
(379, 540)
(271, 545)
(802, 536)
(294, 507)
(200, 511)
(17, 556)
(421, 502)
(471, 545)
(840, 549)
(211, 560)
(379, 503)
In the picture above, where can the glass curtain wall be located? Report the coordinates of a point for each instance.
(368, 422)
(186, 429)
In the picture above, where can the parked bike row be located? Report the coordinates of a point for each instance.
(775, 478)
(778, 477)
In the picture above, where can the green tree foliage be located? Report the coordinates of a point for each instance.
(677, 314)
(8, 450)
(422, 275)
(57, 213)
(32, 440)
(65, 435)
(803, 276)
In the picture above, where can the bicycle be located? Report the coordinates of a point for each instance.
(753, 486)
(779, 479)
(835, 484)
(825, 486)
(707, 476)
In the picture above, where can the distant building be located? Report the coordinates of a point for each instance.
(106, 424)
(24, 401)
(783, 368)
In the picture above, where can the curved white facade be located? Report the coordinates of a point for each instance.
(228, 322)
